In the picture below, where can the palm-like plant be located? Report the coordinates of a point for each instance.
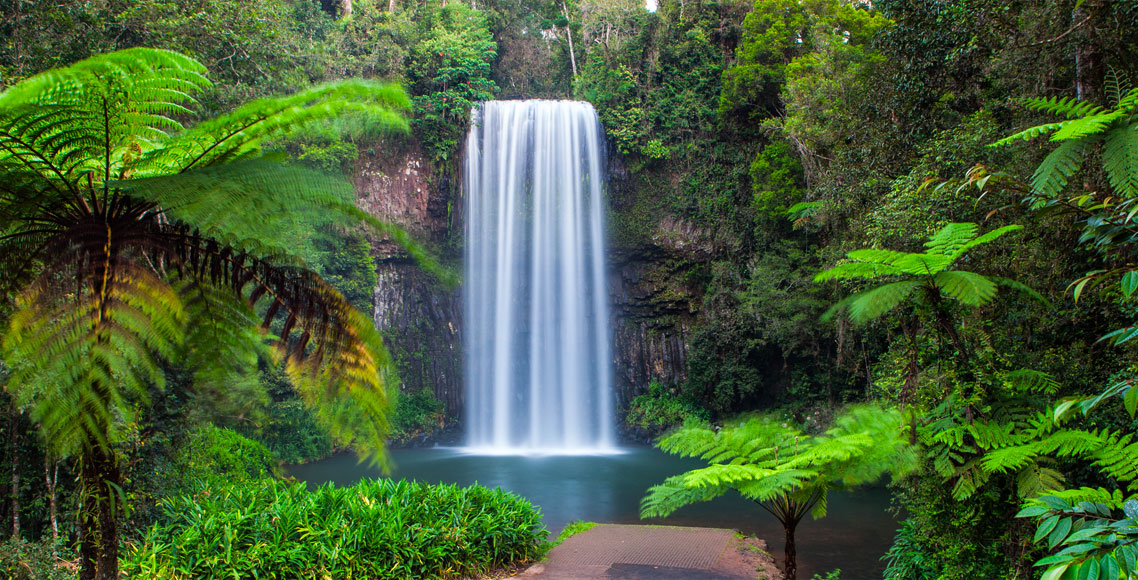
(927, 281)
(928, 277)
(129, 241)
(786, 471)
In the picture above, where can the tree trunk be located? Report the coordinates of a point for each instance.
(790, 553)
(1089, 71)
(345, 9)
(50, 478)
(98, 528)
(569, 35)
(13, 448)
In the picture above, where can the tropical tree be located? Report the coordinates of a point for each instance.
(788, 472)
(130, 241)
(926, 280)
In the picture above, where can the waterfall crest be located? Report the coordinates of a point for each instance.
(538, 362)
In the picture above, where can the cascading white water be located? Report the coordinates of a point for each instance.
(538, 377)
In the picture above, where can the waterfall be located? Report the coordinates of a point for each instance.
(538, 363)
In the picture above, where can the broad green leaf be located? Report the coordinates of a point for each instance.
(1032, 511)
(1059, 533)
(1045, 527)
(1089, 569)
(1130, 508)
(1109, 568)
(1129, 283)
(1055, 573)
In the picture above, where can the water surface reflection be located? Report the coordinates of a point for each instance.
(608, 488)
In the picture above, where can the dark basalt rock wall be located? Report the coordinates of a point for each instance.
(653, 308)
(421, 319)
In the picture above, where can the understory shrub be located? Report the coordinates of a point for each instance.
(376, 529)
(292, 433)
(662, 408)
(24, 560)
(417, 414)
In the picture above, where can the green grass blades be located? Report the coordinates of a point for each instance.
(376, 529)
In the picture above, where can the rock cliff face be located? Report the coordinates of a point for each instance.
(654, 307)
(420, 318)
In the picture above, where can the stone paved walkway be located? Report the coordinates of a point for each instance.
(619, 552)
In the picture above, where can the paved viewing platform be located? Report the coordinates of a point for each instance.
(621, 552)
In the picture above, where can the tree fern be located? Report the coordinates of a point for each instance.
(922, 274)
(133, 241)
(786, 471)
(1058, 167)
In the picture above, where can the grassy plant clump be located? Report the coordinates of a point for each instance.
(574, 528)
(376, 529)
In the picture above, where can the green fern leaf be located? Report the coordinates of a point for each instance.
(1066, 106)
(1057, 168)
(1086, 126)
(1120, 159)
(873, 303)
(951, 238)
(967, 287)
(1033, 381)
(1028, 134)
(983, 239)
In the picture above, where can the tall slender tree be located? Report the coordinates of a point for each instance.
(130, 240)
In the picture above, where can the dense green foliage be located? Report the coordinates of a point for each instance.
(761, 143)
(374, 529)
(662, 408)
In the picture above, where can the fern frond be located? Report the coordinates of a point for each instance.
(984, 239)
(92, 351)
(871, 264)
(951, 238)
(969, 478)
(1012, 458)
(1117, 84)
(1031, 380)
(1120, 159)
(1034, 480)
(1057, 168)
(1086, 126)
(967, 287)
(1066, 106)
(231, 136)
(1028, 134)
(868, 305)
(1020, 287)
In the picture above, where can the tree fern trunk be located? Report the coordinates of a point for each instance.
(790, 552)
(13, 448)
(98, 533)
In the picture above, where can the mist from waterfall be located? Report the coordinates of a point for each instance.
(537, 344)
